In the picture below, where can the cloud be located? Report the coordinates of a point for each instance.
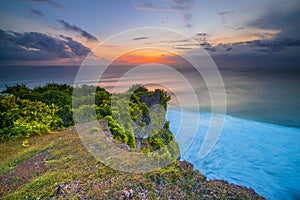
(182, 6)
(205, 44)
(77, 29)
(179, 41)
(183, 2)
(201, 37)
(224, 15)
(161, 5)
(187, 18)
(140, 38)
(274, 45)
(34, 46)
(210, 49)
(238, 28)
(202, 34)
(37, 12)
(48, 2)
(183, 48)
(228, 48)
(285, 18)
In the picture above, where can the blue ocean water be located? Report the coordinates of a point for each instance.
(265, 157)
(259, 146)
(34, 76)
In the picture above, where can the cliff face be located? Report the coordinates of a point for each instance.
(150, 99)
(157, 128)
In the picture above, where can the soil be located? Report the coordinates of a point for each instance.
(23, 172)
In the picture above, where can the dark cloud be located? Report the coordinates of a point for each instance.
(279, 50)
(34, 46)
(77, 29)
(210, 49)
(228, 48)
(278, 45)
(205, 44)
(201, 37)
(140, 38)
(37, 12)
(286, 19)
(202, 34)
(48, 2)
(274, 45)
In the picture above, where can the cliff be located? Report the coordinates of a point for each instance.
(57, 166)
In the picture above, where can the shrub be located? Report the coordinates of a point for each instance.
(21, 117)
(51, 93)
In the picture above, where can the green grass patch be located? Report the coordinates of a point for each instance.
(72, 173)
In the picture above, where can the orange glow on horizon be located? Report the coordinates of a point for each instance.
(145, 56)
(244, 36)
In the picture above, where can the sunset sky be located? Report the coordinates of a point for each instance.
(234, 33)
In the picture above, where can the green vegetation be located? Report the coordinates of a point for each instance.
(39, 110)
(58, 166)
(21, 117)
(52, 93)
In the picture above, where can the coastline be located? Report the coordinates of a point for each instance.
(244, 153)
(266, 138)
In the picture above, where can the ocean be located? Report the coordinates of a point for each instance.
(263, 156)
(259, 146)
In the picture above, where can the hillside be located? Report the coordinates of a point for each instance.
(38, 163)
(57, 166)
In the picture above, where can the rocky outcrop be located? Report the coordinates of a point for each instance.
(150, 99)
(104, 127)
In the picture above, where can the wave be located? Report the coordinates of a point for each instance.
(263, 156)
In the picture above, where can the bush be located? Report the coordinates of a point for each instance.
(21, 117)
(117, 132)
(51, 93)
(26, 112)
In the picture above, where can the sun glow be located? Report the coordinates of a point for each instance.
(145, 56)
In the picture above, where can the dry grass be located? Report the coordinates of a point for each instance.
(63, 169)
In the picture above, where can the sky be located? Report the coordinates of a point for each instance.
(234, 33)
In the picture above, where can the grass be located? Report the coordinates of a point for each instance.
(57, 166)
